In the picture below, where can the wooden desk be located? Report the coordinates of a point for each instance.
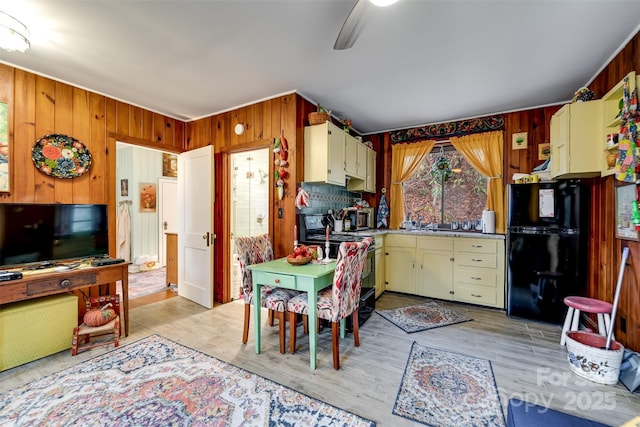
(51, 283)
(309, 278)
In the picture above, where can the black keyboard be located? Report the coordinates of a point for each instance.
(106, 261)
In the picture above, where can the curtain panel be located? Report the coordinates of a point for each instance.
(405, 160)
(484, 151)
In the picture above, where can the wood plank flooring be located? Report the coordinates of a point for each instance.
(527, 359)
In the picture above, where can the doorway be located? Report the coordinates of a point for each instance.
(136, 168)
(249, 207)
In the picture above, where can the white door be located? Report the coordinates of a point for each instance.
(168, 219)
(195, 225)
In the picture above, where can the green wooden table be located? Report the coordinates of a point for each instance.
(309, 278)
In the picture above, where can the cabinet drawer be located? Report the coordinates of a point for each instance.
(55, 284)
(436, 243)
(400, 240)
(485, 246)
(280, 280)
(476, 260)
(471, 276)
(475, 294)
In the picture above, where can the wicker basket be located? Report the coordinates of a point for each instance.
(588, 358)
(317, 118)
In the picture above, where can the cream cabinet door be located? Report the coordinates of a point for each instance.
(400, 269)
(434, 274)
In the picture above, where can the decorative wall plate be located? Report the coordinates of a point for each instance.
(61, 156)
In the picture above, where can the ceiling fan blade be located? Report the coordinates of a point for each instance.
(352, 26)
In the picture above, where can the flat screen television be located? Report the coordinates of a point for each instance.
(46, 233)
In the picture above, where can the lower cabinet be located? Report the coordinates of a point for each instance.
(379, 265)
(450, 268)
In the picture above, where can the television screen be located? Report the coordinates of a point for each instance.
(36, 233)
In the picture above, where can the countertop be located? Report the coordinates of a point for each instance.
(436, 233)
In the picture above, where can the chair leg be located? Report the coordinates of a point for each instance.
(281, 330)
(116, 333)
(335, 344)
(271, 316)
(305, 324)
(245, 330)
(566, 326)
(75, 342)
(292, 332)
(356, 334)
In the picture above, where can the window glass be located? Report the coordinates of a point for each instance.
(464, 191)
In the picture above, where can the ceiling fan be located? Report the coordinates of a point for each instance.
(353, 24)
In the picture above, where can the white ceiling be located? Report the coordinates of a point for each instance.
(416, 62)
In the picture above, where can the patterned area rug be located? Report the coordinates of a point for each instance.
(417, 318)
(155, 382)
(148, 282)
(441, 388)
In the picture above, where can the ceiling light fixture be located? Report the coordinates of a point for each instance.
(239, 129)
(14, 35)
(383, 3)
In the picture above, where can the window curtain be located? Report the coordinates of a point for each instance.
(405, 159)
(484, 152)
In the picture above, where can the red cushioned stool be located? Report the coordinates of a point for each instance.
(588, 305)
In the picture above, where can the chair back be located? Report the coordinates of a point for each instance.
(347, 279)
(252, 250)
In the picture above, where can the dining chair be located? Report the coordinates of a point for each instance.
(255, 250)
(337, 301)
(103, 323)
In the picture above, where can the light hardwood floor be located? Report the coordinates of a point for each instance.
(527, 359)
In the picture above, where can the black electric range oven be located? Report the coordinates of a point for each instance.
(313, 228)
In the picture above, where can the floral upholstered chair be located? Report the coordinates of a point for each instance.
(339, 300)
(255, 250)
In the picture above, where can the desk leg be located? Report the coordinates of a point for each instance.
(312, 311)
(256, 313)
(125, 297)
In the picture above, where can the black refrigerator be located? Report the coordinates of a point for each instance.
(547, 238)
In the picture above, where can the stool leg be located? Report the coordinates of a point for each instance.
(602, 330)
(607, 325)
(565, 327)
(575, 325)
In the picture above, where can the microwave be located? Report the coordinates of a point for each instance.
(361, 219)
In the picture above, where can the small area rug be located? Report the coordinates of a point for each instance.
(420, 317)
(148, 282)
(441, 388)
(157, 382)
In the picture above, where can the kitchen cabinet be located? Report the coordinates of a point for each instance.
(576, 131)
(355, 158)
(379, 265)
(400, 252)
(368, 184)
(465, 269)
(434, 268)
(611, 122)
(479, 271)
(419, 265)
(324, 151)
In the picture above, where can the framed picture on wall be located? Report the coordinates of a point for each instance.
(148, 197)
(625, 229)
(519, 141)
(169, 165)
(543, 151)
(4, 147)
(124, 187)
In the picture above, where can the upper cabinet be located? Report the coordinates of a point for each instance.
(611, 112)
(355, 158)
(368, 184)
(576, 132)
(324, 154)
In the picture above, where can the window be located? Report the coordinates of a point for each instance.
(464, 191)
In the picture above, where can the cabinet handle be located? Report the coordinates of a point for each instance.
(65, 283)
(476, 296)
(476, 246)
(277, 281)
(476, 278)
(476, 260)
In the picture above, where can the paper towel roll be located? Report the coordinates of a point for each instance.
(488, 221)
